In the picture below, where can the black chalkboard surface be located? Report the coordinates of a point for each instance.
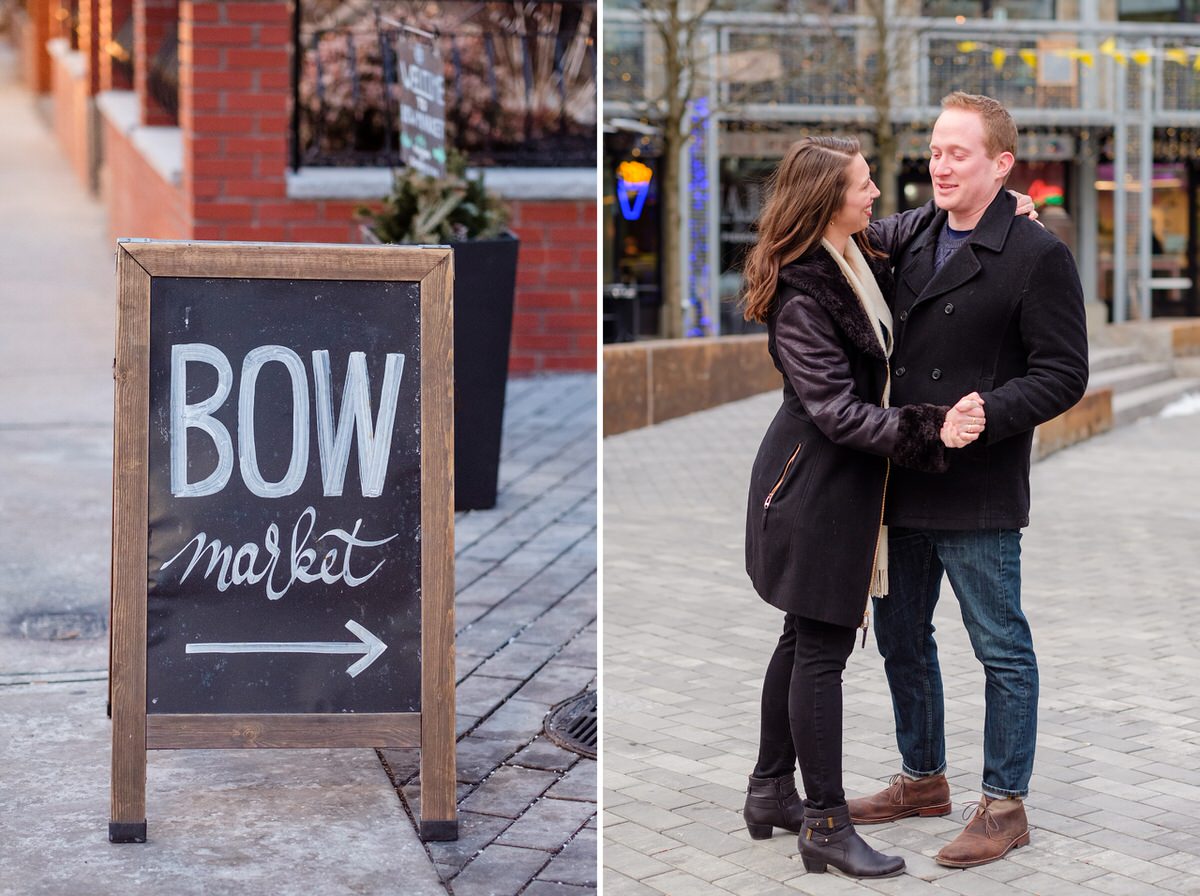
(283, 492)
(261, 588)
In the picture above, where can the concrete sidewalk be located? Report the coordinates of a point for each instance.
(287, 822)
(1110, 591)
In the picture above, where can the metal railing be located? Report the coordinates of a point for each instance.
(521, 90)
(808, 68)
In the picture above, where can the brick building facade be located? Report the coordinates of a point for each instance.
(219, 169)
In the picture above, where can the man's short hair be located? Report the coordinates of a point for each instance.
(999, 130)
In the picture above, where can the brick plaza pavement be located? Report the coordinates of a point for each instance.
(1110, 590)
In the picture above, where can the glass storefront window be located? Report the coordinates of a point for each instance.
(1170, 230)
(990, 9)
(624, 63)
(742, 183)
(824, 7)
(520, 80)
(1151, 10)
(632, 244)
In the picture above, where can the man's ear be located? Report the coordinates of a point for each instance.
(1004, 164)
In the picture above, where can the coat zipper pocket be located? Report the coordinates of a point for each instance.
(779, 482)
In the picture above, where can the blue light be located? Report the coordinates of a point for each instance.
(698, 267)
(631, 205)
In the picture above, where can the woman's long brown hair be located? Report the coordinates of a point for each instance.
(803, 195)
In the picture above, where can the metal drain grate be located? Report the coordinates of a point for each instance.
(572, 724)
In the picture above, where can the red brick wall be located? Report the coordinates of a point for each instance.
(88, 42)
(140, 202)
(71, 116)
(554, 322)
(35, 61)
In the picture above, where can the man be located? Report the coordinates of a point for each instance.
(991, 303)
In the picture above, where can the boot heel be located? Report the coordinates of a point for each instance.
(1023, 840)
(813, 865)
(760, 831)
(933, 811)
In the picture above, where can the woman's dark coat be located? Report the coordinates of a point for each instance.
(817, 485)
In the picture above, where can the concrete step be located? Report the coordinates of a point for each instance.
(1101, 359)
(1134, 404)
(1128, 377)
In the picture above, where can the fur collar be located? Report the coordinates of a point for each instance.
(817, 275)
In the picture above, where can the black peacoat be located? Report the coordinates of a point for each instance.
(1004, 317)
(816, 489)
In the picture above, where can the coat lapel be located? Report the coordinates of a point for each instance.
(917, 268)
(990, 233)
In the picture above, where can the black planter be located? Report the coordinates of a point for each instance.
(485, 282)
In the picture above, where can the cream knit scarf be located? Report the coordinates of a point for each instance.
(862, 281)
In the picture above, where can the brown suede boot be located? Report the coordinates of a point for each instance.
(902, 798)
(996, 827)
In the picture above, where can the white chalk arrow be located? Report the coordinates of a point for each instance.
(368, 645)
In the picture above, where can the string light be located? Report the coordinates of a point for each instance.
(698, 220)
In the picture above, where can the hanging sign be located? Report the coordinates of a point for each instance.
(422, 90)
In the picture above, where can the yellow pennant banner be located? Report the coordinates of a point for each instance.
(1032, 57)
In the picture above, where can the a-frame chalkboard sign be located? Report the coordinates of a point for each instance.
(283, 543)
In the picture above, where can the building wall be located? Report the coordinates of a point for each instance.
(34, 31)
(228, 176)
(554, 322)
(69, 89)
(141, 202)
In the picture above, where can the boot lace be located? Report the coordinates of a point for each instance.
(976, 809)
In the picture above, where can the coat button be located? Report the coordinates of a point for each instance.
(904, 315)
(937, 374)
(949, 309)
(899, 371)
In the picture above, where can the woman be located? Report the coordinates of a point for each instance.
(815, 544)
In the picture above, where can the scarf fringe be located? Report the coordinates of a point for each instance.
(879, 580)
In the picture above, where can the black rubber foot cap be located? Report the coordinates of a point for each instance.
(439, 830)
(127, 832)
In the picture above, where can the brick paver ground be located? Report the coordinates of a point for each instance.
(1110, 589)
(526, 641)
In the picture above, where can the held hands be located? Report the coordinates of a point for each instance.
(964, 422)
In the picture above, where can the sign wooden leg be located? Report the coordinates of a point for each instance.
(128, 820)
(127, 684)
(439, 809)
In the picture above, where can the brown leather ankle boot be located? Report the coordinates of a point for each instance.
(996, 827)
(903, 797)
(772, 803)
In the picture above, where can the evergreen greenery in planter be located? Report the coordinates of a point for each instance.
(456, 209)
(450, 209)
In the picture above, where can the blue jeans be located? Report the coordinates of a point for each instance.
(984, 567)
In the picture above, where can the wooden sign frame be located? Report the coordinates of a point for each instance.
(134, 731)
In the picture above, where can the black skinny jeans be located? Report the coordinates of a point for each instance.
(802, 708)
